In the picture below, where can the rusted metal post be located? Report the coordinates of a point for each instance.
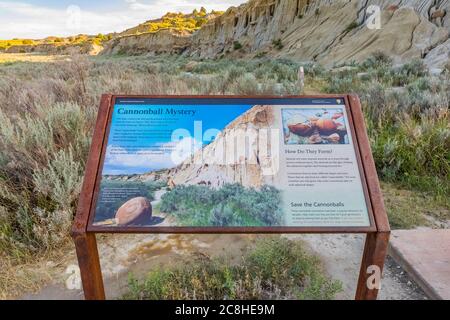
(85, 242)
(89, 263)
(369, 281)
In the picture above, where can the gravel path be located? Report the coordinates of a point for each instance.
(341, 255)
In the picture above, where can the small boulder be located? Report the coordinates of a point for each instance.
(137, 211)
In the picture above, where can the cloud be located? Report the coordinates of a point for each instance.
(24, 20)
(168, 155)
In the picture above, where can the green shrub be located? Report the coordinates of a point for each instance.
(415, 153)
(408, 73)
(342, 84)
(245, 85)
(237, 45)
(234, 72)
(41, 168)
(232, 204)
(351, 26)
(278, 44)
(223, 215)
(408, 126)
(260, 55)
(377, 60)
(48, 110)
(275, 268)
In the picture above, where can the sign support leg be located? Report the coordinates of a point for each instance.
(89, 263)
(375, 250)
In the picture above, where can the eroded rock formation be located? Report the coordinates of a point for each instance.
(239, 154)
(330, 32)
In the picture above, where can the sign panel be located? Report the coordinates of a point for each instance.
(230, 163)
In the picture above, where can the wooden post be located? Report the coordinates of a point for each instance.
(89, 263)
(369, 280)
(301, 80)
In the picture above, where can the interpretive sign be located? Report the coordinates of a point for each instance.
(229, 164)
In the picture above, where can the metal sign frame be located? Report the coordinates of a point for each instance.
(377, 234)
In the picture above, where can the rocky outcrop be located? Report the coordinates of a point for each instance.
(241, 153)
(233, 157)
(404, 35)
(439, 58)
(164, 41)
(327, 31)
(53, 49)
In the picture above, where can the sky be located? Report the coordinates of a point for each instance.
(165, 145)
(38, 19)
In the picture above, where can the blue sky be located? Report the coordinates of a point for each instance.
(38, 19)
(122, 159)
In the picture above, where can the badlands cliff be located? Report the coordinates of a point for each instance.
(326, 31)
(241, 153)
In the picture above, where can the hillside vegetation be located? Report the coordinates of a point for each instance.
(275, 268)
(4, 44)
(47, 111)
(231, 205)
(177, 22)
(78, 40)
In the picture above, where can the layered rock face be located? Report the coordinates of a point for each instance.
(153, 43)
(327, 31)
(52, 49)
(241, 153)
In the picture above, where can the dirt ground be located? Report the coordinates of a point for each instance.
(122, 254)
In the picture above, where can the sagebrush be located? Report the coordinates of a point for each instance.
(48, 110)
(275, 268)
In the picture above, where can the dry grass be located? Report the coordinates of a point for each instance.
(9, 58)
(29, 277)
(48, 109)
(409, 209)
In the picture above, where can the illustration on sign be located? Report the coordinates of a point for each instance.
(230, 165)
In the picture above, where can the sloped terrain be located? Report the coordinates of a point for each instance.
(330, 32)
(218, 163)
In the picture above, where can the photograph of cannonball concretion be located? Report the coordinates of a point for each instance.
(314, 126)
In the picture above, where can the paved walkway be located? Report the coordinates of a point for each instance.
(425, 255)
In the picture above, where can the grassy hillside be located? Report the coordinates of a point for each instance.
(48, 109)
(57, 41)
(4, 44)
(177, 22)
